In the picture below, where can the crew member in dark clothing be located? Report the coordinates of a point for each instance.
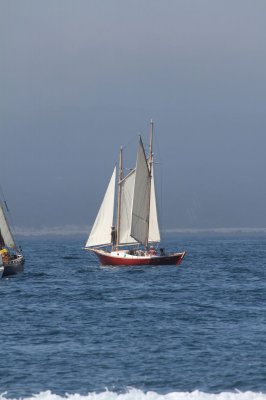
(113, 236)
(162, 253)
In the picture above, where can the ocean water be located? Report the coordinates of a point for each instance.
(71, 329)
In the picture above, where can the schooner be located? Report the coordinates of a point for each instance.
(136, 235)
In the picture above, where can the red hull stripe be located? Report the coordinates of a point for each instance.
(106, 259)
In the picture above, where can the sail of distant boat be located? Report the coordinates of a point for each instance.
(5, 231)
(11, 258)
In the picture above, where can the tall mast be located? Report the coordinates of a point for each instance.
(120, 177)
(150, 161)
(151, 144)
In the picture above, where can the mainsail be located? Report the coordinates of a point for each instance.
(141, 198)
(5, 230)
(101, 230)
(127, 193)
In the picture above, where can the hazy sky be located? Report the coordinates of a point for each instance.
(80, 78)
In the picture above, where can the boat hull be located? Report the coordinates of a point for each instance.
(106, 258)
(13, 267)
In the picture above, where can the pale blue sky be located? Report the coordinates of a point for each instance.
(80, 78)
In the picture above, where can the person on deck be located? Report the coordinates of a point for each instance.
(152, 251)
(5, 254)
(113, 236)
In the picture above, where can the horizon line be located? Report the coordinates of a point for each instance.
(68, 230)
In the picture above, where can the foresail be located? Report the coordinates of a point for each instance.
(154, 231)
(141, 199)
(5, 230)
(101, 230)
(127, 191)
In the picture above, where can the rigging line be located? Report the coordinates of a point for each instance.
(133, 140)
(129, 142)
(125, 148)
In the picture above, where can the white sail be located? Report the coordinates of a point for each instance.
(127, 191)
(5, 230)
(154, 231)
(101, 230)
(141, 199)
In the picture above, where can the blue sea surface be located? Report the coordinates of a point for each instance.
(68, 325)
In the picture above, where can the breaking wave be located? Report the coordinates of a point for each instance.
(136, 394)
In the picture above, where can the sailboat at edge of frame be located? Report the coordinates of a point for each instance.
(11, 257)
(132, 241)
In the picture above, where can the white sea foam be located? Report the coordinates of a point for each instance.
(135, 394)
